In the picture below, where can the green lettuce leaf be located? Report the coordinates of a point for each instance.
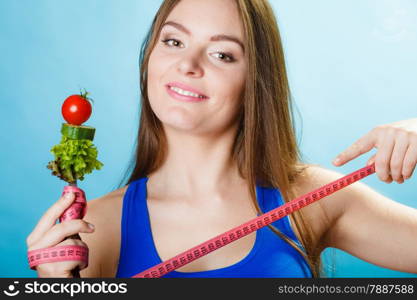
(74, 159)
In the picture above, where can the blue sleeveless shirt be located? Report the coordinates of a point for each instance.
(270, 257)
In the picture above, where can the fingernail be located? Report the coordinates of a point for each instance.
(91, 225)
(69, 195)
(336, 160)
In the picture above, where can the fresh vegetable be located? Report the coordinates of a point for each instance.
(76, 154)
(78, 132)
(74, 159)
(76, 109)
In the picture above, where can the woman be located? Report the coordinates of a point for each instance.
(216, 147)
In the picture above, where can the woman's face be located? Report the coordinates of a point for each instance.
(198, 47)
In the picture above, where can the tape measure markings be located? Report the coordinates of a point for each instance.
(77, 210)
(253, 225)
(58, 253)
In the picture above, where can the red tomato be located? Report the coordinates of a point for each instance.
(76, 109)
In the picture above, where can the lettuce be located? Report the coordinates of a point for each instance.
(74, 159)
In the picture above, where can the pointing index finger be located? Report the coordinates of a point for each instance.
(360, 147)
(51, 215)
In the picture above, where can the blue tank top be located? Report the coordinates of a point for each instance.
(270, 257)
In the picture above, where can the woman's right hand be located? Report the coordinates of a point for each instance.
(49, 234)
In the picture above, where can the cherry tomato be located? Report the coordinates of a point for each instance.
(76, 109)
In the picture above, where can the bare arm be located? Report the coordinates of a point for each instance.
(368, 225)
(104, 243)
(376, 229)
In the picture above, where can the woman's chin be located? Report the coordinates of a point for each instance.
(180, 125)
(180, 120)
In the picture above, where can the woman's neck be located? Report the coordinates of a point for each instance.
(197, 167)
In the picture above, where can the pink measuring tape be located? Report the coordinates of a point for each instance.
(253, 225)
(36, 257)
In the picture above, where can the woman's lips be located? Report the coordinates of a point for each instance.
(185, 87)
(180, 97)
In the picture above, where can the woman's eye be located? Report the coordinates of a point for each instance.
(166, 41)
(229, 57)
(226, 57)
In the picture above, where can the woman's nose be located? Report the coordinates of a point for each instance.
(191, 64)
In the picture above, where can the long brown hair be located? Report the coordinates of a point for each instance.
(265, 147)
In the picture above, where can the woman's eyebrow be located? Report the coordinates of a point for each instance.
(214, 38)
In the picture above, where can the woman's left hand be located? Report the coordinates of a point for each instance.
(396, 157)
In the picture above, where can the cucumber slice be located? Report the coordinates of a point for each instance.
(75, 132)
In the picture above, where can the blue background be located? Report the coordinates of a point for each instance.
(352, 66)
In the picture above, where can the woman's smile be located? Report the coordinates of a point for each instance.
(182, 95)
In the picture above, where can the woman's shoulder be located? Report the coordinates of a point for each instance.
(312, 175)
(104, 243)
(109, 198)
(106, 204)
(106, 210)
(322, 214)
